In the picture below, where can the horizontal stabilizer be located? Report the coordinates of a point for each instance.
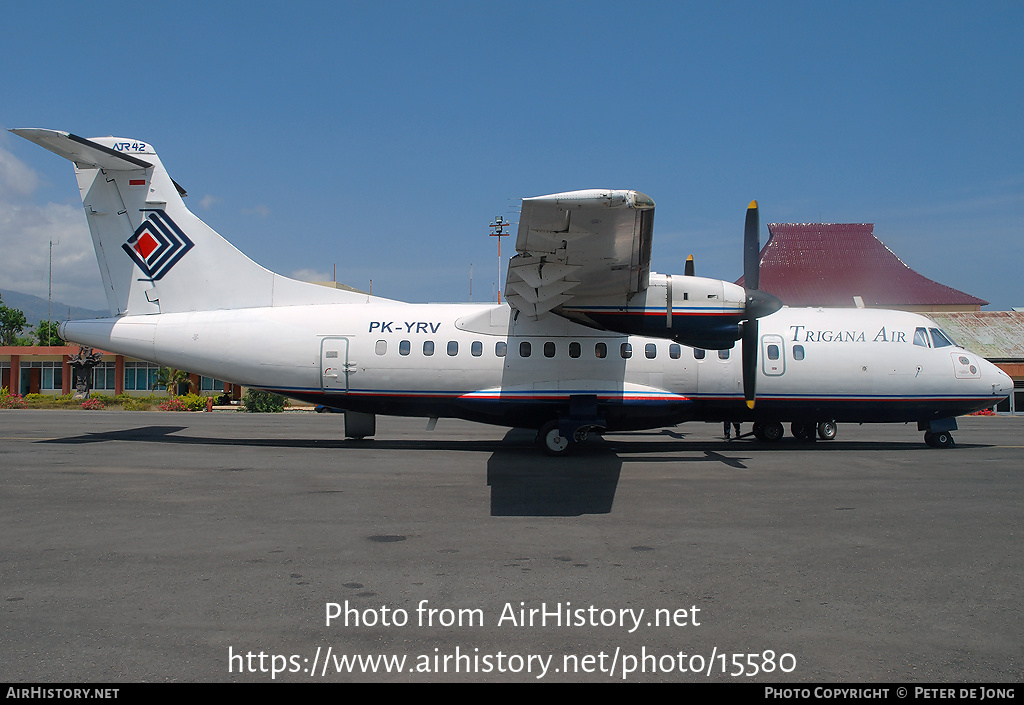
(84, 153)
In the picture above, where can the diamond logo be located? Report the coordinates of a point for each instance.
(157, 245)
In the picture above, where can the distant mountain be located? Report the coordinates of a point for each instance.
(35, 309)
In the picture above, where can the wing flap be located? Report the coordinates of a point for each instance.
(594, 244)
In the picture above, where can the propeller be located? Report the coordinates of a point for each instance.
(758, 303)
(688, 271)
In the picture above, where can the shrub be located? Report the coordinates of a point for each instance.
(259, 401)
(173, 404)
(11, 401)
(193, 402)
(93, 404)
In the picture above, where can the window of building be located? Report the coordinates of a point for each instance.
(141, 376)
(52, 376)
(209, 384)
(104, 375)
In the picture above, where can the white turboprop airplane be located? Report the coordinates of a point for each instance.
(590, 340)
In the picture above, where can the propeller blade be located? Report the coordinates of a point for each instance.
(688, 271)
(749, 360)
(751, 248)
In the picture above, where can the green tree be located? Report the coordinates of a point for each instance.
(170, 378)
(46, 333)
(12, 321)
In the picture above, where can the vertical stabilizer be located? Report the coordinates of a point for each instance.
(154, 254)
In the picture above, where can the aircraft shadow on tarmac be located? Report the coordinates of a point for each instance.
(523, 482)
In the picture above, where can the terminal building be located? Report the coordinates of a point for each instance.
(804, 264)
(40, 369)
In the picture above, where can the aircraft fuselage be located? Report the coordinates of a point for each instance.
(480, 362)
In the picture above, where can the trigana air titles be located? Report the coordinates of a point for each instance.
(588, 340)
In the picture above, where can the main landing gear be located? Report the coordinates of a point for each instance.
(772, 431)
(557, 440)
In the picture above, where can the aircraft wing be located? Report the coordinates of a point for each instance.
(593, 244)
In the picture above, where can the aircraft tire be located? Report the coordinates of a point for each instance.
(772, 432)
(551, 440)
(802, 431)
(827, 430)
(939, 439)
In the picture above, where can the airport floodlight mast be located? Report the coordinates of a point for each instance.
(498, 231)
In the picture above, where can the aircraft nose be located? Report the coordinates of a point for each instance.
(1002, 384)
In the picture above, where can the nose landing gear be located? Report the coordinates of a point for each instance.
(937, 432)
(939, 439)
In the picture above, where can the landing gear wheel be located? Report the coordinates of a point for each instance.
(802, 431)
(827, 430)
(939, 439)
(552, 441)
(773, 431)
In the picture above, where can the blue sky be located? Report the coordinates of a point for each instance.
(384, 137)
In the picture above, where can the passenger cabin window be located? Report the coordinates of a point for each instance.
(500, 348)
(476, 349)
(381, 347)
(723, 354)
(674, 351)
(453, 348)
(798, 352)
(921, 337)
(626, 351)
(651, 351)
(524, 349)
(600, 350)
(574, 350)
(549, 349)
(403, 347)
(699, 353)
(428, 347)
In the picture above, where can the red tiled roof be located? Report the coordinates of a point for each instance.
(827, 264)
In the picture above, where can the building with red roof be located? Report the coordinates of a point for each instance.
(845, 265)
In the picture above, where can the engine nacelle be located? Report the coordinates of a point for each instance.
(694, 311)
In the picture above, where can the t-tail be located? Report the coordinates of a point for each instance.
(154, 254)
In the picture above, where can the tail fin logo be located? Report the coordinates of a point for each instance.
(157, 245)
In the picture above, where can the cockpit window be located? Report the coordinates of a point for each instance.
(921, 338)
(940, 339)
